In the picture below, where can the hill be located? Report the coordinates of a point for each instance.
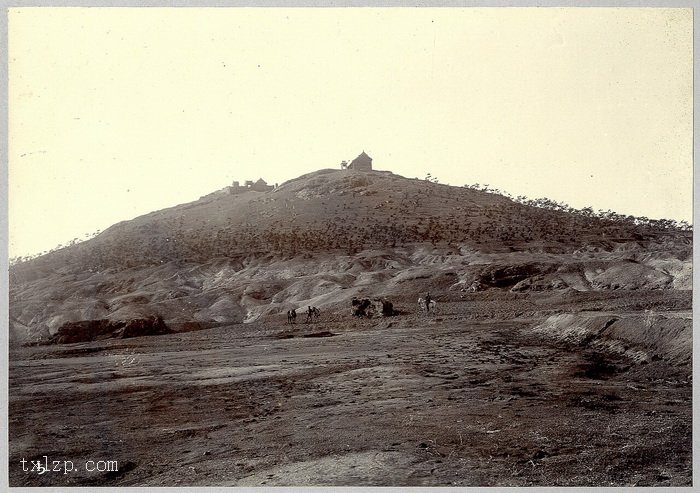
(547, 320)
(327, 236)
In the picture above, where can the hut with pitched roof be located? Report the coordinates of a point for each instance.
(361, 163)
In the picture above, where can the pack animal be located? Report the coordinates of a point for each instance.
(362, 308)
(384, 306)
(424, 307)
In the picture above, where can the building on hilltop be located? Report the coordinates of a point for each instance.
(361, 163)
(261, 186)
(258, 186)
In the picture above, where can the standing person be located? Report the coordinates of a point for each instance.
(427, 303)
(309, 315)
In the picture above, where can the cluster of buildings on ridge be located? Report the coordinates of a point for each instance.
(258, 186)
(361, 163)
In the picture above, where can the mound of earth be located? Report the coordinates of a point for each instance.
(641, 337)
(223, 291)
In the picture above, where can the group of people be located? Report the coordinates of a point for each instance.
(312, 313)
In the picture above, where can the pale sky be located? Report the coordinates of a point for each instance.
(117, 112)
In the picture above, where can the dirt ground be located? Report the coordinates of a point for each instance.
(468, 396)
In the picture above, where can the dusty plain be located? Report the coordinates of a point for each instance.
(466, 396)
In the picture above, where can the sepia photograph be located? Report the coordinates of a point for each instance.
(349, 246)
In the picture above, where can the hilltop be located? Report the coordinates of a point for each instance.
(347, 210)
(327, 236)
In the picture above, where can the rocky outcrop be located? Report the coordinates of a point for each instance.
(91, 330)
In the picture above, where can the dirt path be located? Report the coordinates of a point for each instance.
(416, 401)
